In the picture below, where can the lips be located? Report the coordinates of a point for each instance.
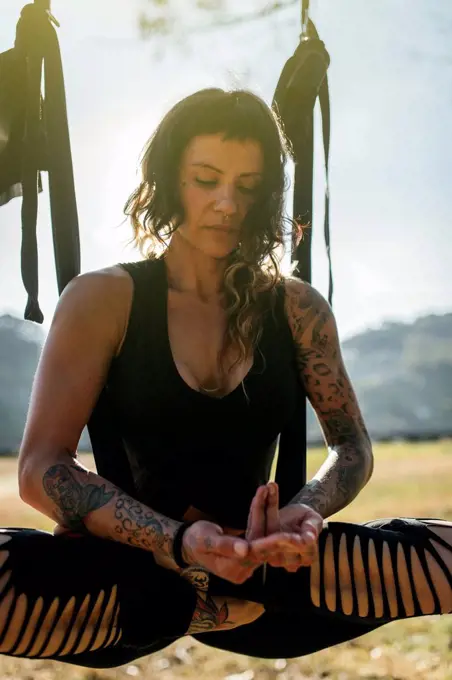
(221, 227)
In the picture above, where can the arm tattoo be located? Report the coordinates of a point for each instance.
(77, 493)
(73, 499)
(338, 481)
(142, 527)
(320, 365)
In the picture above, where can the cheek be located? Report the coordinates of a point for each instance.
(193, 200)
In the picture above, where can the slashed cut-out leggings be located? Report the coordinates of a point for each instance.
(99, 603)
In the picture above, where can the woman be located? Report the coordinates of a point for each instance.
(189, 345)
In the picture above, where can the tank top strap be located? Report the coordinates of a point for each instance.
(148, 276)
(280, 320)
(147, 320)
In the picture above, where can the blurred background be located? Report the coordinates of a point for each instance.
(126, 62)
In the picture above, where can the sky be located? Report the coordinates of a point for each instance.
(391, 144)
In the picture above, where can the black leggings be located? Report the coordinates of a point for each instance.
(100, 604)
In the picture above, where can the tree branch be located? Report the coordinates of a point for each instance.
(165, 25)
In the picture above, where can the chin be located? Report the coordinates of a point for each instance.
(218, 251)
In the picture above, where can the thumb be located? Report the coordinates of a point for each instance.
(312, 527)
(272, 510)
(256, 518)
(224, 545)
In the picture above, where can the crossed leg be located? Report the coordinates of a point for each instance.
(99, 603)
(38, 625)
(366, 575)
(85, 600)
(384, 570)
(90, 599)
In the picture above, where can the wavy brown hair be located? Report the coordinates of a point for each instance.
(155, 209)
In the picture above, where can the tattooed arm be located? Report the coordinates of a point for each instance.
(86, 333)
(349, 464)
(81, 500)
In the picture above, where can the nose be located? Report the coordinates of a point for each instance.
(226, 202)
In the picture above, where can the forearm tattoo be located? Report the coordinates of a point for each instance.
(337, 483)
(77, 492)
(143, 527)
(322, 371)
(74, 500)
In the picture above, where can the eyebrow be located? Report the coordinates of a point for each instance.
(212, 167)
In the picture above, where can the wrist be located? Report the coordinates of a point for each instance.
(311, 504)
(180, 551)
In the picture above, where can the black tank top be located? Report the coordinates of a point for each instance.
(186, 448)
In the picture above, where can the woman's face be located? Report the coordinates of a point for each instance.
(219, 180)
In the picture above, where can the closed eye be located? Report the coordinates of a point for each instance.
(212, 183)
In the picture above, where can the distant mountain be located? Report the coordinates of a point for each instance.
(20, 347)
(402, 374)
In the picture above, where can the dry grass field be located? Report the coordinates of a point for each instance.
(409, 479)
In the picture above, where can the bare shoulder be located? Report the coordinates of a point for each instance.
(110, 280)
(105, 283)
(100, 299)
(305, 307)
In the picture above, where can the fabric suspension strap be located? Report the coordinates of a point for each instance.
(303, 80)
(38, 140)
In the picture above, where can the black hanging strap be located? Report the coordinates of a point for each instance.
(37, 134)
(37, 139)
(29, 178)
(324, 99)
(304, 15)
(302, 81)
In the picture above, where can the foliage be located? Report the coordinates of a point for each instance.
(164, 17)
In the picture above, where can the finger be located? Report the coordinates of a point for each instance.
(257, 518)
(223, 546)
(310, 556)
(279, 542)
(290, 561)
(311, 528)
(272, 509)
(276, 559)
(269, 553)
(286, 552)
(292, 565)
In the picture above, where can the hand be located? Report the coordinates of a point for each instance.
(206, 545)
(60, 529)
(285, 537)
